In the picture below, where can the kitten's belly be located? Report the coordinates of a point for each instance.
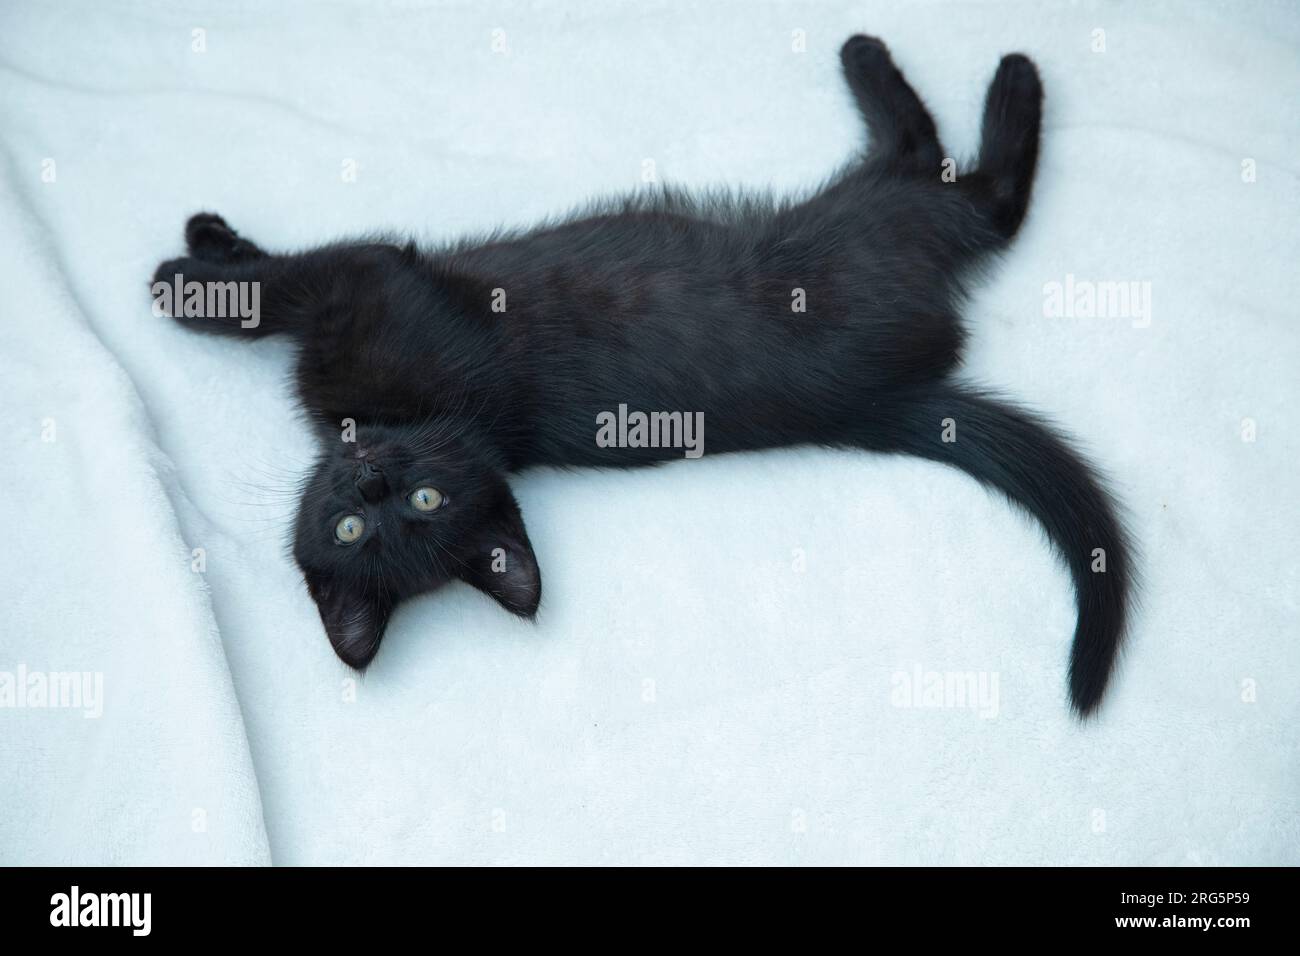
(685, 411)
(641, 379)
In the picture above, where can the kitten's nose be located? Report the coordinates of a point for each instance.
(371, 482)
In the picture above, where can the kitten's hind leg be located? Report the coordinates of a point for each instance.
(209, 237)
(1013, 112)
(902, 130)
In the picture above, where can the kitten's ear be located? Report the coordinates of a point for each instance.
(354, 620)
(498, 559)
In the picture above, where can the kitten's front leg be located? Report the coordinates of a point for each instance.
(229, 286)
(209, 237)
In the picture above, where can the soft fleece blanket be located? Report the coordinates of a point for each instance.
(792, 657)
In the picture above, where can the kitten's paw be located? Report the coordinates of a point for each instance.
(209, 237)
(1017, 79)
(206, 232)
(864, 55)
(167, 271)
(162, 285)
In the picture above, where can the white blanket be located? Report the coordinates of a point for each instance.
(733, 656)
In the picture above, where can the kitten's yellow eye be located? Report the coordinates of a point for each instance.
(426, 499)
(349, 528)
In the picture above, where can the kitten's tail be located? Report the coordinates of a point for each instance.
(1017, 453)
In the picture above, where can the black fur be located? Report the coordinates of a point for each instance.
(668, 303)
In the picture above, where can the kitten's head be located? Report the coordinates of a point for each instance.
(401, 511)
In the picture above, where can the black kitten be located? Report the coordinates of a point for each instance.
(830, 321)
